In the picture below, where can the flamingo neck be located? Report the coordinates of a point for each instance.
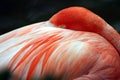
(112, 36)
(81, 19)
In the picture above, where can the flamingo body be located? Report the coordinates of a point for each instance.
(40, 49)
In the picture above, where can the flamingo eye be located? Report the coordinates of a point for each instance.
(62, 26)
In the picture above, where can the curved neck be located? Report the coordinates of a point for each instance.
(112, 36)
(81, 19)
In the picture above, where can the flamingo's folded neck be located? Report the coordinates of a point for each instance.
(81, 19)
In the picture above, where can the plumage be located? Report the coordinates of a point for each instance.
(44, 48)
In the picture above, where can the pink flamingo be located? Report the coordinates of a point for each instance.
(75, 44)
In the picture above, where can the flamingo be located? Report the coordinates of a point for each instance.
(74, 44)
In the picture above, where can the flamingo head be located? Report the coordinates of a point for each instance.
(78, 18)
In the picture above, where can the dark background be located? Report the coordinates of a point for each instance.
(18, 13)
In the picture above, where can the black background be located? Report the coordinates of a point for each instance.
(18, 13)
